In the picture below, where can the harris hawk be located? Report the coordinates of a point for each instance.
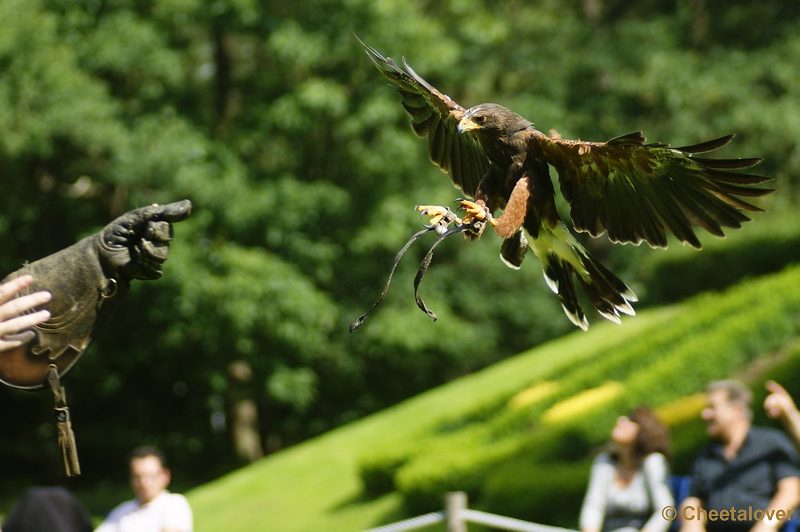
(631, 190)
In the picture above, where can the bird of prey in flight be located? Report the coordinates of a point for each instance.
(626, 188)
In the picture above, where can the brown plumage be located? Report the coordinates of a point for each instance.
(630, 190)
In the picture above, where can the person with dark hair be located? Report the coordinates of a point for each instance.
(51, 509)
(628, 484)
(748, 479)
(16, 314)
(154, 509)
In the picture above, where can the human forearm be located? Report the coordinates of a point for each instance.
(785, 500)
(594, 503)
(791, 422)
(787, 497)
(656, 473)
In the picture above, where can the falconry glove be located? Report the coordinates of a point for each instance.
(86, 281)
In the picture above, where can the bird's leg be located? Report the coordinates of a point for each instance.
(516, 209)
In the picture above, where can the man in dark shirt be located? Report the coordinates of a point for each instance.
(748, 479)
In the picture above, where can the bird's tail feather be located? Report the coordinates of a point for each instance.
(513, 250)
(562, 256)
(608, 294)
(558, 274)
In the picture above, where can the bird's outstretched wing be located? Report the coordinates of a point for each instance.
(637, 191)
(436, 116)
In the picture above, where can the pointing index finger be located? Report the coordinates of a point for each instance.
(169, 212)
(774, 387)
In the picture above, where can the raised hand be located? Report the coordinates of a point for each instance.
(780, 405)
(17, 314)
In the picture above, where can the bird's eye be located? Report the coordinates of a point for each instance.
(479, 119)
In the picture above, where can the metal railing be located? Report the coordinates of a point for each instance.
(412, 524)
(457, 515)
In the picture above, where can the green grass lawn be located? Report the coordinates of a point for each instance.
(315, 486)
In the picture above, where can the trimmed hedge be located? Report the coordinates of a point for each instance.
(465, 462)
(458, 462)
(542, 493)
(705, 338)
(377, 470)
(765, 249)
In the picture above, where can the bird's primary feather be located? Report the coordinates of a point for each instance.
(460, 156)
(637, 192)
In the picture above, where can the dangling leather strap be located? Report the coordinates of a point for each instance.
(356, 324)
(66, 438)
(423, 267)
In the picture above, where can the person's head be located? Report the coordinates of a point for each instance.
(149, 473)
(727, 409)
(642, 432)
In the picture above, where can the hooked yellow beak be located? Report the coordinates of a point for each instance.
(466, 124)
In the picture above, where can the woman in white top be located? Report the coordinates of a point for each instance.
(629, 486)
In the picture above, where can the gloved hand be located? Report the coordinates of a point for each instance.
(86, 280)
(136, 244)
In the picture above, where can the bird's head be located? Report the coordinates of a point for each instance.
(491, 117)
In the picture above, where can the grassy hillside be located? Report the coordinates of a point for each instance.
(529, 421)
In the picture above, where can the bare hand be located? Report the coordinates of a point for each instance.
(779, 404)
(12, 320)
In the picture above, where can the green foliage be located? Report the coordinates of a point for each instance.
(686, 439)
(762, 247)
(294, 386)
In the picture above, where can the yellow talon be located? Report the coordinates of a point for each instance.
(439, 216)
(435, 212)
(476, 211)
(432, 210)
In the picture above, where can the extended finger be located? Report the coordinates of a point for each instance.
(13, 286)
(138, 221)
(20, 323)
(169, 212)
(21, 304)
(774, 387)
(13, 340)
